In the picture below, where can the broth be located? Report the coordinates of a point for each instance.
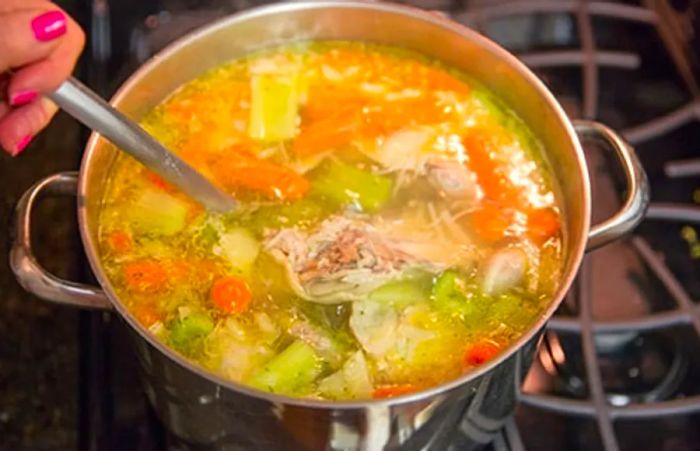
(397, 225)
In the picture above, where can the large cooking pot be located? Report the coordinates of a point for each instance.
(204, 409)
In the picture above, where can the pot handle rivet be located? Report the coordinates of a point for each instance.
(30, 274)
(635, 205)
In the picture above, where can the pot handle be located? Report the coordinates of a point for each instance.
(30, 274)
(632, 211)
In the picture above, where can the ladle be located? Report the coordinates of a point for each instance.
(87, 107)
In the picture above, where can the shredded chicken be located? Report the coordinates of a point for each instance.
(422, 232)
(341, 261)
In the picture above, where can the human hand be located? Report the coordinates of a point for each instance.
(39, 46)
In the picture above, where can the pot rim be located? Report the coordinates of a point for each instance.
(576, 252)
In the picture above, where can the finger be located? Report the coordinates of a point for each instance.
(30, 35)
(20, 125)
(46, 75)
(16, 5)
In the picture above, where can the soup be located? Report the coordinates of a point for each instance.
(397, 225)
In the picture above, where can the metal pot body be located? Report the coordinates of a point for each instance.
(206, 410)
(205, 415)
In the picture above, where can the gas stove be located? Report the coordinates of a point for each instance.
(619, 367)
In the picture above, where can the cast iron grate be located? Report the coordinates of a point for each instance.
(591, 60)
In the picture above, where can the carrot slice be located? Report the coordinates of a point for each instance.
(146, 275)
(119, 242)
(439, 80)
(388, 116)
(491, 222)
(488, 170)
(542, 224)
(231, 294)
(146, 314)
(389, 391)
(329, 132)
(241, 169)
(480, 352)
(158, 181)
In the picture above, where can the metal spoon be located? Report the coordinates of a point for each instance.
(87, 107)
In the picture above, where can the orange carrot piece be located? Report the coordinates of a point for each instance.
(119, 242)
(388, 116)
(146, 275)
(231, 294)
(146, 314)
(241, 169)
(480, 352)
(495, 185)
(542, 224)
(490, 222)
(329, 132)
(158, 181)
(390, 391)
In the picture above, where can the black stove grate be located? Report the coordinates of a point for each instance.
(589, 59)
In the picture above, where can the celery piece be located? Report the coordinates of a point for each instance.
(274, 108)
(289, 371)
(330, 345)
(305, 210)
(239, 248)
(186, 332)
(402, 293)
(342, 183)
(513, 309)
(448, 291)
(452, 295)
(158, 213)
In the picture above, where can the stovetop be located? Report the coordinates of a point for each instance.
(619, 368)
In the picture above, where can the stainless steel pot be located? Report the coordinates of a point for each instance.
(204, 409)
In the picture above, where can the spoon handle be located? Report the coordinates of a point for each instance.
(90, 109)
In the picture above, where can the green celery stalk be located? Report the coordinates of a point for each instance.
(289, 371)
(343, 183)
(275, 105)
(452, 295)
(402, 293)
(158, 213)
(189, 330)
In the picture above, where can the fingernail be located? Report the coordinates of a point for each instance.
(23, 98)
(49, 25)
(21, 145)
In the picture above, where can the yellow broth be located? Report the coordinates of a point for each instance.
(397, 226)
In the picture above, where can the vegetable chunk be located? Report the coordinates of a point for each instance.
(231, 294)
(290, 371)
(351, 382)
(240, 248)
(187, 332)
(275, 104)
(157, 213)
(344, 184)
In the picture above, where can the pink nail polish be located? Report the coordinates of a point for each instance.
(23, 98)
(49, 25)
(21, 145)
